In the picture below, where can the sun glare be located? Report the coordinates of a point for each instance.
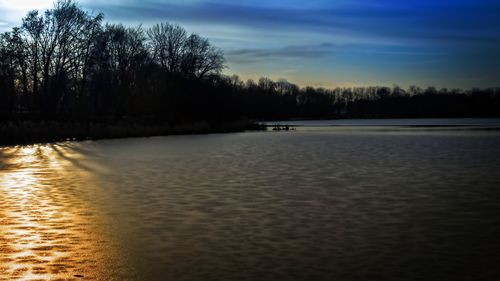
(43, 234)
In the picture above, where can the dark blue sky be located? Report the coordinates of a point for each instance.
(445, 43)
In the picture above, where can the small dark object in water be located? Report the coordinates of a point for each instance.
(278, 127)
(78, 275)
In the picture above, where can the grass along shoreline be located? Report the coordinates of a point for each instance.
(27, 132)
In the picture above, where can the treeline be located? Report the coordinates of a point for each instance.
(67, 65)
(282, 100)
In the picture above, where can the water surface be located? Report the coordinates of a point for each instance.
(325, 204)
(398, 123)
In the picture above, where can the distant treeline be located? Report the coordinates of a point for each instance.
(67, 65)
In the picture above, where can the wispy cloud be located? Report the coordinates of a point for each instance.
(389, 20)
(285, 53)
(392, 38)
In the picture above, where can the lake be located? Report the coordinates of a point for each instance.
(415, 199)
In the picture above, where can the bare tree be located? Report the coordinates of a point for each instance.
(267, 84)
(7, 74)
(284, 87)
(33, 28)
(167, 42)
(125, 51)
(58, 47)
(201, 58)
(175, 52)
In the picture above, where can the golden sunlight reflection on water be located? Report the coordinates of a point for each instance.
(47, 230)
(304, 205)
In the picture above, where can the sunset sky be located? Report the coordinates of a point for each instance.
(445, 43)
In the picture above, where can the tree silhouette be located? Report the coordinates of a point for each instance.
(66, 65)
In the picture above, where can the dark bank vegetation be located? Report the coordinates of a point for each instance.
(66, 73)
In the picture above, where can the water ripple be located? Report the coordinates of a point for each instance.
(324, 205)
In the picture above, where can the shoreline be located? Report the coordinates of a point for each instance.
(26, 132)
